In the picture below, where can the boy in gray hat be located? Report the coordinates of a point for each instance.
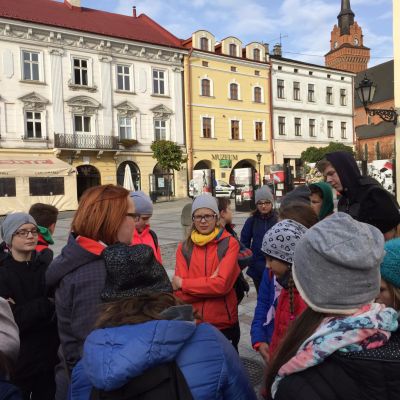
(22, 277)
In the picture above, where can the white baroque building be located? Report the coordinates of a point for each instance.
(92, 88)
(312, 106)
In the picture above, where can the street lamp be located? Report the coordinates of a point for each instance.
(366, 91)
(258, 156)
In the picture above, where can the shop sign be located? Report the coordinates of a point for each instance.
(225, 163)
(224, 157)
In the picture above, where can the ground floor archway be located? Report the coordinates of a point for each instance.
(135, 172)
(87, 177)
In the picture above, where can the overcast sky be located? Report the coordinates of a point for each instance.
(305, 25)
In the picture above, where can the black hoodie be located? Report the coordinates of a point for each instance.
(362, 196)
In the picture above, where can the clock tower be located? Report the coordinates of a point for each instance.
(347, 51)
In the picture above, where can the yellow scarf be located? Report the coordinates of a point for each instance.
(201, 240)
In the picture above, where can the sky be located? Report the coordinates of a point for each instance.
(305, 25)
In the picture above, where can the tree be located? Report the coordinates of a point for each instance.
(169, 156)
(313, 154)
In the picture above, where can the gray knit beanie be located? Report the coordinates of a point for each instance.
(143, 204)
(264, 193)
(205, 200)
(9, 333)
(336, 264)
(12, 223)
(280, 241)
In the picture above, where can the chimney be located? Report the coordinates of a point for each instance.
(73, 3)
(277, 50)
(134, 11)
(266, 47)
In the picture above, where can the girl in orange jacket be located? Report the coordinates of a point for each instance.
(206, 269)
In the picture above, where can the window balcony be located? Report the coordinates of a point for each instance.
(79, 141)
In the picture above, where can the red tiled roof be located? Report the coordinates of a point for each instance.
(53, 13)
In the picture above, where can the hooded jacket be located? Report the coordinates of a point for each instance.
(213, 298)
(78, 276)
(327, 199)
(145, 237)
(362, 196)
(371, 374)
(209, 363)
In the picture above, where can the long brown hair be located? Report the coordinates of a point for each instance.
(101, 211)
(136, 310)
(302, 328)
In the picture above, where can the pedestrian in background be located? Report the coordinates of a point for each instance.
(343, 345)
(22, 283)
(143, 233)
(206, 269)
(254, 229)
(142, 327)
(106, 215)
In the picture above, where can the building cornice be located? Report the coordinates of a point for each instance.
(57, 40)
(304, 111)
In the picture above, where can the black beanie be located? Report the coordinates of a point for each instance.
(133, 271)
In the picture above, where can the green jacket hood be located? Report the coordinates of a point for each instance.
(327, 200)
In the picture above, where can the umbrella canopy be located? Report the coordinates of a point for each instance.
(128, 182)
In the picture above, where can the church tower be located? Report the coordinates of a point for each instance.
(347, 51)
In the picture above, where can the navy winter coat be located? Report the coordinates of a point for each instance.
(78, 277)
(113, 356)
(252, 236)
(9, 391)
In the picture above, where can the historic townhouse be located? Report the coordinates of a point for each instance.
(93, 89)
(312, 106)
(227, 105)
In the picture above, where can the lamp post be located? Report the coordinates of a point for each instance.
(366, 91)
(258, 156)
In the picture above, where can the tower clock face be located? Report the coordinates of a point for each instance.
(355, 42)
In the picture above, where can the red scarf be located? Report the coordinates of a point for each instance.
(91, 245)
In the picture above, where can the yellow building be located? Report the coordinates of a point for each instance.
(227, 105)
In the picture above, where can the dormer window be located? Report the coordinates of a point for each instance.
(256, 54)
(204, 43)
(233, 50)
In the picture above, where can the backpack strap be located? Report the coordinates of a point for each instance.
(154, 237)
(187, 253)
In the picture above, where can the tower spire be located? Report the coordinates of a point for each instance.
(345, 18)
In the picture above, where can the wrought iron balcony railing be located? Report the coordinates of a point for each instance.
(78, 141)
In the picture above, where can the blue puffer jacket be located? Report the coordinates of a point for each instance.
(252, 236)
(113, 356)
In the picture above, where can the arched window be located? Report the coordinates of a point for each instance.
(366, 152)
(204, 43)
(234, 91)
(257, 95)
(205, 87)
(233, 50)
(257, 54)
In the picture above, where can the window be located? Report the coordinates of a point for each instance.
(204, 43)
(82, 124)
(259, 131)
(295, 70)
(235, 130)
(158, 81)
(160, 130)
(366, 151)
(297, 126)
(33, 125)
(281, 89)
(31, 66)
(234, 91)
(125, 127)
(123, 77)
(279, 68)
(206, 127)
(80, 72)
(343, 97)
(204, 63)
(343, 130)
(233, 69)
(378, 151)
(7, 187)
(311, 126)
(46, 186)
(257, 95)
(232, 50)
(311, 92)
(205, 87)
(330, 129)
(328, 76)
(281, 125)
(257, 73)
(329, 95)
(310, 72)
(256, 54)
(296, 90)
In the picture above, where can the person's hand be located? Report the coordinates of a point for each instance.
(176, 282)
(264, 351)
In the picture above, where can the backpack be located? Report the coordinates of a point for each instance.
(164, 381)
(241, 286)
(154, 237)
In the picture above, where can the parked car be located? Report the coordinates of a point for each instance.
(224, 189)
